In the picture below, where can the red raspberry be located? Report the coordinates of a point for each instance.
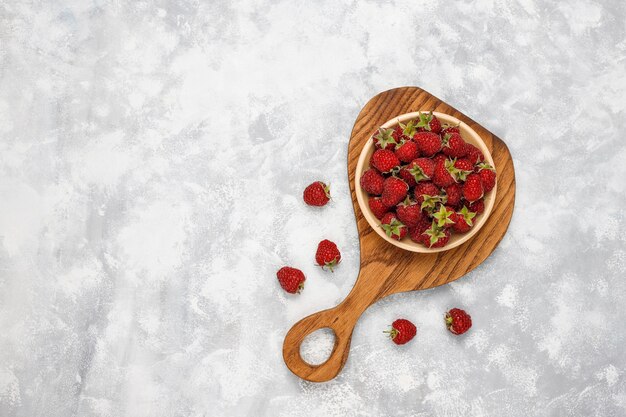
(428, 143)
(291, 279)
(316, 194)
(444, 216)
(394, 191)
(426, 194)
(474, 154)
(458, 321)
(477, 206)
(463, 167)
(377, 207)
(384, 139)
(402, 331)
(327, 254)
(453, 194)
(384, 160)
(435, 236)
(372, 182)
(393, 227)
(463, 220)
(487, 176)
(421, 169)
(407, 151)
(464, 164)
(439, 156)
(473, 188)
(407, 177)
(447, 129)
(417, 233)
(454, 145)
(409, 212)
(444, 173)
(398, 134)
(429, 122)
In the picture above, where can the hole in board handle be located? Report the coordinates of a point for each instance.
(317, 346)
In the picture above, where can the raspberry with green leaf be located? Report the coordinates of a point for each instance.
(384, 139)
(429, 122)
(443, 216)
(422, 169)
(393, 227)
(427, 195)
(463, 220)
(409, 212)
(436, 237)
(445, 173)
(409, 129)
(487, 176)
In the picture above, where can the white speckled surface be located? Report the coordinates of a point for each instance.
(152, 158)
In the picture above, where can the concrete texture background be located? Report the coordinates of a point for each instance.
(152, 159)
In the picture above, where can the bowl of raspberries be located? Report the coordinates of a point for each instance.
(426, 182)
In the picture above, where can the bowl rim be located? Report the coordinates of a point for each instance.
(406, 243)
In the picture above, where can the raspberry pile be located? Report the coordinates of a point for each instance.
(425, 181)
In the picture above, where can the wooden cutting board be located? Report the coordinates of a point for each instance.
(387, 269)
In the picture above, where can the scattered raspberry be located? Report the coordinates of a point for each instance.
(458, 321)
(316, 194)
(402, 331)
(327, 254)
(291, 279)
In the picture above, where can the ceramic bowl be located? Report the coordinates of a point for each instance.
(456, 239)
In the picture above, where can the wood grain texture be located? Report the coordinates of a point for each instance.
(386, 269)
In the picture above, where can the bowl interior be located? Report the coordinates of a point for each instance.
(469, 135)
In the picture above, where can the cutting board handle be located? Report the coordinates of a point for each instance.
(341, 320)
